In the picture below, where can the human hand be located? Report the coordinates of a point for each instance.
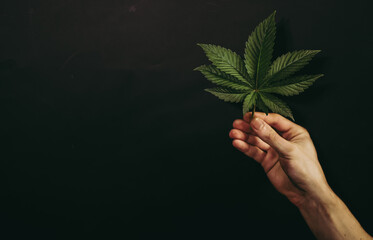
(286, 152)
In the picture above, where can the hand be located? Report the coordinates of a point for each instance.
(285, 151)
(288, 156)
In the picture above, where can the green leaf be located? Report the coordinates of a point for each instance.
(254, 80)
(228, 95)
(292, 86)
(288, 64)
(276, 105)
(249, 102)
(259, 49)
(220, 78)
(227, 61)
(260, 104)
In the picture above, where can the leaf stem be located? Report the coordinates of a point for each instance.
(252, 115)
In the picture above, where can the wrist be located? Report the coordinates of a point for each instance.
(329, 218)
(322, 200)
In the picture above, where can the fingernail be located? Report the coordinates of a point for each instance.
(257, 123)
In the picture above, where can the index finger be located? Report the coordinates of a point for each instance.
(276, 121)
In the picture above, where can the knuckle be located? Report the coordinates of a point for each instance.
(253, 140)
(291, 148)
(290, 151)
(275, 116)
(304, 131)
(271, 135)
(256, 155)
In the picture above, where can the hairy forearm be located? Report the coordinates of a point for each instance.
(329, 218)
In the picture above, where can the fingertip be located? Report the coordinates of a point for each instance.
(234, 143)
(239, 144)
(231, 133)
(247, 116)
(238, 134)
(241, 125)
(249, 150)
(236, 123)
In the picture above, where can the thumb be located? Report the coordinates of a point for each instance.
(270, 136)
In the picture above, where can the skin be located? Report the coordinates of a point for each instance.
(287, 154)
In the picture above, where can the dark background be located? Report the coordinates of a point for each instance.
(106, 131)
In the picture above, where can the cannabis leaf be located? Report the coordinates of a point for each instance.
(256, 79)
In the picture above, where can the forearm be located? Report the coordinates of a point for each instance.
(329, 218)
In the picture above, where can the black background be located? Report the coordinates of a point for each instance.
(106, 131)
